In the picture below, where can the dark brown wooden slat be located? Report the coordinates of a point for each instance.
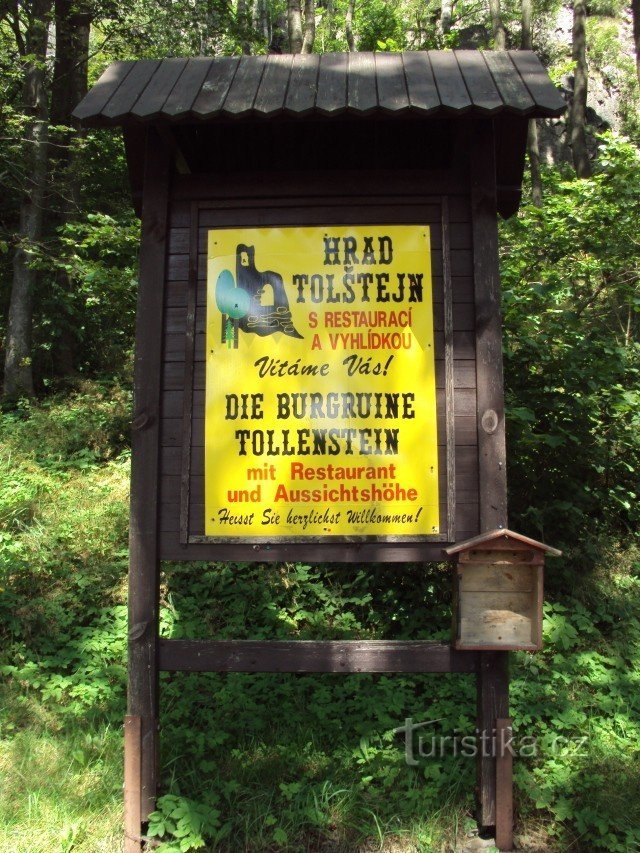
(131, 88)
(180, 211)
(323, 212)
(332, 83)
(465, 403)
(313, 656)
(155, 93)
(339, 552)
(514, 93)
(392, 87)
(244, 87)
(362, 95)
(478, 80)
(303, 83)
(448, 77)
(215, 88)
(536, 79)
(416, 187)
(460, 238)
(186, 90)
(99, 95)
(179, 241)
(273, 85)
(421, 86)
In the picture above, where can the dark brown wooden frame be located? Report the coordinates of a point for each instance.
(148, 654)
(447, 520)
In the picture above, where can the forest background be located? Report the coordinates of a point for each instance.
(312, 762)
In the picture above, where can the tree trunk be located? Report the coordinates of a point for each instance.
(331, 21)
(18, 373)
(260, 21)
(533, 149)
(242, 20)
(294, 22)
(499, 35)
(309, 26)
(446, 8)
(68, 87)
(348, 25)
(635, 10)
(577, 120)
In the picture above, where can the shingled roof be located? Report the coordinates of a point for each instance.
(259, 87)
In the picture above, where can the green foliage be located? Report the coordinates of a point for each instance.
(185, 822)
(89, 292)
(572, 359)
(616, 67)
(63, 524)
(379, 26)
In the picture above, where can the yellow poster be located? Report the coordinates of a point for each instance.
(320, 384)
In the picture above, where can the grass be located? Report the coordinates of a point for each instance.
(61, 790)
(279, 762)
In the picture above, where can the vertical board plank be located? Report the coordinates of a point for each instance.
(332, 83)
(361, 83)
(449, 394)
(421, 87)
(392, 86)
(189, 354)
(504, 785)
(143, 534)
(301, 94)
(490, 411)
(493, 702)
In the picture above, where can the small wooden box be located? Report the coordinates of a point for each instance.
(498, 592)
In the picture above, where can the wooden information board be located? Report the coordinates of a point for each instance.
(318, 367)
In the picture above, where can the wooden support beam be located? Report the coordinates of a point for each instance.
(493, 704)
(504, 785)
(132, 754)
(143, 535)
(313, 656)
(493, 675)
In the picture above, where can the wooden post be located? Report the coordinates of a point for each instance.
(504, 785)
(493, 678)
(143, 536)
(132, 754)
